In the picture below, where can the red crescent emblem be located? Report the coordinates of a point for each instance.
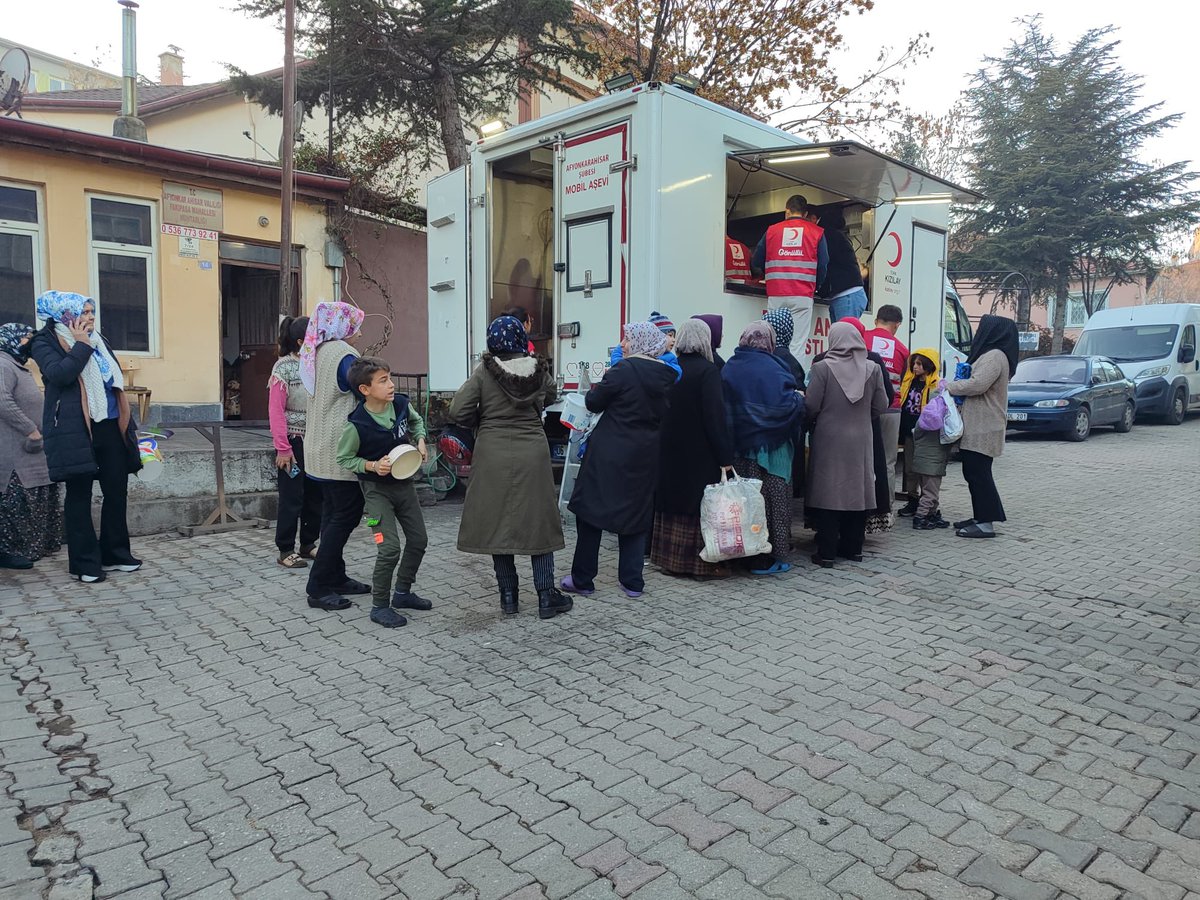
(899, 249)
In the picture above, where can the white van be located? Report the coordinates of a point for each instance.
(1155, 346)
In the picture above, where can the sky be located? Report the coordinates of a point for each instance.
(1155, 43)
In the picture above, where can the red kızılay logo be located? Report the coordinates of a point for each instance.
(899, 250)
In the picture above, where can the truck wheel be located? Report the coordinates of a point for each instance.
(1126, 423)
(1083, 426)
(1178, 408)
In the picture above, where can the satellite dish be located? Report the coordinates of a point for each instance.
(14, 78)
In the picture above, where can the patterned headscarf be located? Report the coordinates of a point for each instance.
(506, 334)
(61, 306)
(645, 339)
(11, 336)
(64, 307)
(758, 335)
(329, 322)
(782, 324)
(694, 337)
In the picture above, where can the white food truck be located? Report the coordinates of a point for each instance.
(597, 215)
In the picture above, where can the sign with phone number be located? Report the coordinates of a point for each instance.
(189, 232)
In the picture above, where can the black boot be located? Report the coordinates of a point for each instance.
(551, 602)
(508, 601)
(908, 510)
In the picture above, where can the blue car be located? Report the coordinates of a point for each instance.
(1068, 395)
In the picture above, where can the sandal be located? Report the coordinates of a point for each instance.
(776, 568)
(309, 552)
(292, 561)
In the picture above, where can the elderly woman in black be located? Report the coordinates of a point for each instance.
(30, 514)
(89, 432)
(615, 488)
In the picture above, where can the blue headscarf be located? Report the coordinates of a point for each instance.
(11, 336)
(506, 334)
(62, 306)
(782, 324)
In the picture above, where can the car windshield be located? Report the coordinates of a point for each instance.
(1129, 343)
(1051, 371)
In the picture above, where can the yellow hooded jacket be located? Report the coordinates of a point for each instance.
(931, 380)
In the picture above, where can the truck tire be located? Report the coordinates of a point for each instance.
(1178, 411)
(1083, 426)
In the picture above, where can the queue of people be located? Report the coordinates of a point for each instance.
(672, 416)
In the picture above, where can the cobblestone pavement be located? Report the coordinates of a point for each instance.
(950, 718)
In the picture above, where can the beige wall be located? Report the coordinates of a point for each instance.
(185, 368)
(1121, 295)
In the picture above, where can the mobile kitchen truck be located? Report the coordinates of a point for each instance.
(594, 216)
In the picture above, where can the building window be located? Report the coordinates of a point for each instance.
(1076, 311)
(57, 84)
(20, 253)
(124, 282)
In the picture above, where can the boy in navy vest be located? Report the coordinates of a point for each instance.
(382, 421)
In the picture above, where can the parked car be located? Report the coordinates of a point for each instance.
(1070, 394)
(1157, 346)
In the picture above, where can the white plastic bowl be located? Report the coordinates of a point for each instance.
(406, 459)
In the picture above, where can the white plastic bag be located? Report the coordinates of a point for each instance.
(733, 519)
(952, 425)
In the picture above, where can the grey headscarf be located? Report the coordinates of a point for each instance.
(694, 336)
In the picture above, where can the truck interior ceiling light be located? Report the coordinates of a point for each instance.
(686, 82)
(928, 198)
(619, 83)
(487, 129)
(801, 156)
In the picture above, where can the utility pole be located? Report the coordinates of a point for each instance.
(287, 157)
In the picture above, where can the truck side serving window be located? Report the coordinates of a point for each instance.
(589, 253)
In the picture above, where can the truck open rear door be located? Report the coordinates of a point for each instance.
(449, 319)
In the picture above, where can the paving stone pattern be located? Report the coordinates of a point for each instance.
(948, 719)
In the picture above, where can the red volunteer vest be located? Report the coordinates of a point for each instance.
(894, 355)
(791, 263)
(737, 262)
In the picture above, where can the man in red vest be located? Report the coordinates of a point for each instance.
(882, 339)
(737, 262)
(793, 257)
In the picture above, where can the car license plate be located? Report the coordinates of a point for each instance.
(1018, 417)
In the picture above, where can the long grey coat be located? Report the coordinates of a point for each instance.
(20, 416)
(985, 411)
(841, 467)
(511, 506)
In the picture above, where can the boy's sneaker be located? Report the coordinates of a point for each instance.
(409, 600)
(936, 520)
(908, 510)
(923, 523)
(387, 617)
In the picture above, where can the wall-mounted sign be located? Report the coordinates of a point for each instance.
(192, 206)
(189, 247)
(199, 234)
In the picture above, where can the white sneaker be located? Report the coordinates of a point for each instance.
(122, 568)
(90, 579)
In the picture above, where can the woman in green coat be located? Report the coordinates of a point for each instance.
(511, 507)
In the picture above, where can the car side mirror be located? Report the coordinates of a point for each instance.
(1096, 379)
(1187, 354)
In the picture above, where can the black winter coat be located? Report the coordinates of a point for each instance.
(695, 438)
(843, 272)
(66, 426)
(616, 484)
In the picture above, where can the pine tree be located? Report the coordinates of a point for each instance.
(1057, 154)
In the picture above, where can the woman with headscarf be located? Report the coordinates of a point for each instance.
(765, 413)
(287, 411)
(716, 327)
(31, 524)
(993, 361)
(511, 508)
(882, 518)
(89, 432)
(614, 491)
(783, 325)
(695, 448)
(325, 358)
(845, 393)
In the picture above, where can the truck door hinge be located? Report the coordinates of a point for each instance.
(624, 164)
(478, 202)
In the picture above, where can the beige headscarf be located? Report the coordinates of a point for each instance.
(847, 360)
(694, 336)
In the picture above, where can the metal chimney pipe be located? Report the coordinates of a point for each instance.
(128, 125)
(128, 58)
